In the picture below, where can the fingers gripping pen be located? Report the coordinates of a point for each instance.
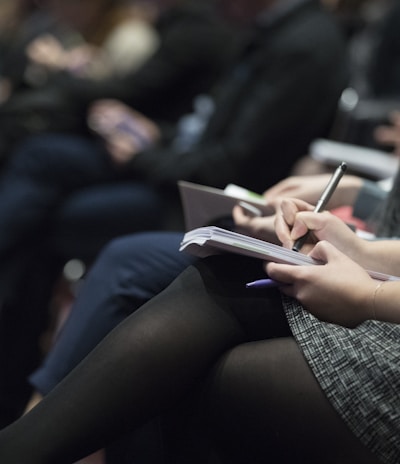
(325, 197)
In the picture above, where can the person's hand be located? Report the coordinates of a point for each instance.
(48, 52)
(262, 227)
(81, 59)
(296, 218)
(338, 291)
(389, 135)
(309, 189)
(125, 131)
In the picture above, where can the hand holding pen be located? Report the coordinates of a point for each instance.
(296, 217)
(324, 199)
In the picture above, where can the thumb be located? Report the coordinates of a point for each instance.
(324, 252)
(310, 221)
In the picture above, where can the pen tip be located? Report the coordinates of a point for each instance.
(343, 166)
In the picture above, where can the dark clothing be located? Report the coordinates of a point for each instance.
(195, 48)
(264, 120)
(14, 61)
(384, 69)
(229, 352)
(128, 272)
(33, 257)
(54, 174)
(280, 95)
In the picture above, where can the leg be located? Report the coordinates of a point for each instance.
(42, 173)
(30, 188)
(129, 272)
(39, 176)
(23, 319)
(270, 408)
(89, 218)
(148, 363)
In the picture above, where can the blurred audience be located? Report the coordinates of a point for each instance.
(364, 22)
(280, 93)
(115, 38)
(80, 36)
(194, 48)
(89, 39)
(20, 22)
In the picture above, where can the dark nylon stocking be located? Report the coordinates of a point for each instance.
(160, 353)
(266, 407)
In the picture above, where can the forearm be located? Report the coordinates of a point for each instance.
(380, 255)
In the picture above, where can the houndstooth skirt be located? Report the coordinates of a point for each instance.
(359, 371)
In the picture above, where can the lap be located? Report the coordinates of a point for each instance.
(61, 157)
(264, 396)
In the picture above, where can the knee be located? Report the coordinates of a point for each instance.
(35, 153)
(249, 366)
(50, 153)
(130, 248)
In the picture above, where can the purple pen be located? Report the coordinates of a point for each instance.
(263, 283)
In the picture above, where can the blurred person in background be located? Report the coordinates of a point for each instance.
(194, 49)
(280, 92)
(91, 39)
(112, 37)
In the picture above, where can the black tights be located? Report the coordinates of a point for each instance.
(206, 330)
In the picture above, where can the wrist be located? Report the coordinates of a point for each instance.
(384, 305)
(362, 305)
(375, 296)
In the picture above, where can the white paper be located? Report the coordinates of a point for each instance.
(206, 241)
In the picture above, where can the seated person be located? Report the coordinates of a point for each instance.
(278, 375)
(110, 39)
(50, 173)
(249, 126)
(144, 264)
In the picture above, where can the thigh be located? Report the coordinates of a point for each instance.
(144, 264)
(62, 160)
(258, 312)
(89, 218)
(128, 272)
(268, 405)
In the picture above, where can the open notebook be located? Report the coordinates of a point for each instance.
(206, 241)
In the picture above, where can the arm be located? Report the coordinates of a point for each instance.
(309, 188)
(296, 217)
(340, 291)
(364, 195)
(246, 128)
